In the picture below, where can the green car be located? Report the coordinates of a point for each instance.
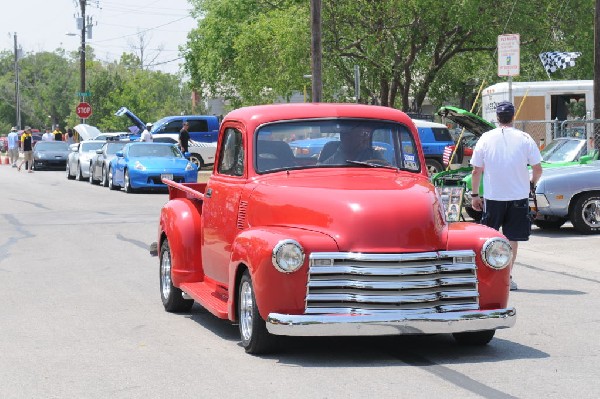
(561, 152)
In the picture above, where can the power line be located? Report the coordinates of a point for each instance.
(142, 31)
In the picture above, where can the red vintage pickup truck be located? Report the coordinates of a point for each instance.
(350, 241)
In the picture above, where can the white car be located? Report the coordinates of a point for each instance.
(78, 161)
(201, 154)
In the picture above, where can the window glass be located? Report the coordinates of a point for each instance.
(231, 159)
(198, 125)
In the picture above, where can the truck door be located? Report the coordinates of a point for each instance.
(220, 209)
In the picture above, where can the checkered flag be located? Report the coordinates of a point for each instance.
(554, 60)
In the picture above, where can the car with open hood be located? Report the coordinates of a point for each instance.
(561, 152)
(202, 128)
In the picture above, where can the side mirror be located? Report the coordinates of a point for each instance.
(187, 155)
(585, 159)
(119, 154)
(99, 151)
(74, 147)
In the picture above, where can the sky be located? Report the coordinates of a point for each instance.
(42, 25)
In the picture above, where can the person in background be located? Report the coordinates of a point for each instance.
(27, 148)
(146, 135)
(504, 154)
(58, 135)
(47, 136)
(13, 146)
(69, 136)
(355, 145)
(184, 137)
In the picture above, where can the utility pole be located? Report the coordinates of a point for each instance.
(82, 4)
(597, 75)
(316, 51)
(17, 84)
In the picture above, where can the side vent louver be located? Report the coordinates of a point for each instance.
(241, 219)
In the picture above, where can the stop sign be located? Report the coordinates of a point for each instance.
(83, 110)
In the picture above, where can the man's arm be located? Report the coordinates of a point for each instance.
(476, 200)
(536, 173)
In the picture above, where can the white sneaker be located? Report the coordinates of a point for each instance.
(513, 285)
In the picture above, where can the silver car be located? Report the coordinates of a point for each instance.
(100, 161)
(78, 161)
(569, 194)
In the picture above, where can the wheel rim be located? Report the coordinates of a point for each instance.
(590, 213)
(432, 170)
(78, 173)
(110, 178)
(127, 182)
(104, 176)
(246, 310)
(165, 275)
(196, 161)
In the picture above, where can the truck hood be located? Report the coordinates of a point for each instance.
(363, 211)
(471, 122)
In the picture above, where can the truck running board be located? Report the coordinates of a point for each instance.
(207, 296)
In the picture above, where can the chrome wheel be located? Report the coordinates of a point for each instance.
(585, 215)
(104, 177)
(165, 275)
(591, 213)
(246, 310)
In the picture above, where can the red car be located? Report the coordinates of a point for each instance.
(352, 243)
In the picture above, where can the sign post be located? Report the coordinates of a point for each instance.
(83, 110)
(509, 58)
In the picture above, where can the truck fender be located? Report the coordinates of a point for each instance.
(274, 290)
(181, 224)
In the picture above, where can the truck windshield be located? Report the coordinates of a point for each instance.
(334, 143)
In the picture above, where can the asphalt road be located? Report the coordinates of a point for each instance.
(81, 317)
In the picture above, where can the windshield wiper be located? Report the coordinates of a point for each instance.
(371, 165)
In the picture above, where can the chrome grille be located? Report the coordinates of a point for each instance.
(430, 282)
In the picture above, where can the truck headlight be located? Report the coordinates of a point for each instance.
(496, 253)
(288, 256)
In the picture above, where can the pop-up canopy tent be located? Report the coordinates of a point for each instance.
(86, 132)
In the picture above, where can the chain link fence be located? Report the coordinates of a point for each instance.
(543, 132)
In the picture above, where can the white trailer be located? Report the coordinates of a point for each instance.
(542, 101)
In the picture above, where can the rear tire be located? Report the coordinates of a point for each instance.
(69, 176)
(253, 329)
(171, 296)
(78, 175)
(433, 167)
(474, 338)
(104, 176)
(111, 184)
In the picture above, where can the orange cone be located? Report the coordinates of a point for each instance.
(6, 160)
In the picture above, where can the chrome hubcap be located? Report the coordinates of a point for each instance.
(246, 305)
(165, 275)
(127, 180)
(591, 213)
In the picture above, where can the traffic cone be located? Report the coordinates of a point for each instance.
(6, 160)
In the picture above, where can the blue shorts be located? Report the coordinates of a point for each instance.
(512, 216)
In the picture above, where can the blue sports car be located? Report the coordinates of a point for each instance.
(144, 165)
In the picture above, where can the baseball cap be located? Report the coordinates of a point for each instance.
(27, 128)
(13, 129)
(505, 108)
(148, 124)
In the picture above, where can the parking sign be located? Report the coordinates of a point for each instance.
(509, 55)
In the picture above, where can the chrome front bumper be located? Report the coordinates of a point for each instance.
(390, 324)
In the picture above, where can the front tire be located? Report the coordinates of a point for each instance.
(474, 338)
(253, 329)
(170, 295)
(585, 215)
(549, 224)
(128, 188)
(104, 176)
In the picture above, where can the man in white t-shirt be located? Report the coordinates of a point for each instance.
(47, 136)
(146, 135)
(504, 154)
